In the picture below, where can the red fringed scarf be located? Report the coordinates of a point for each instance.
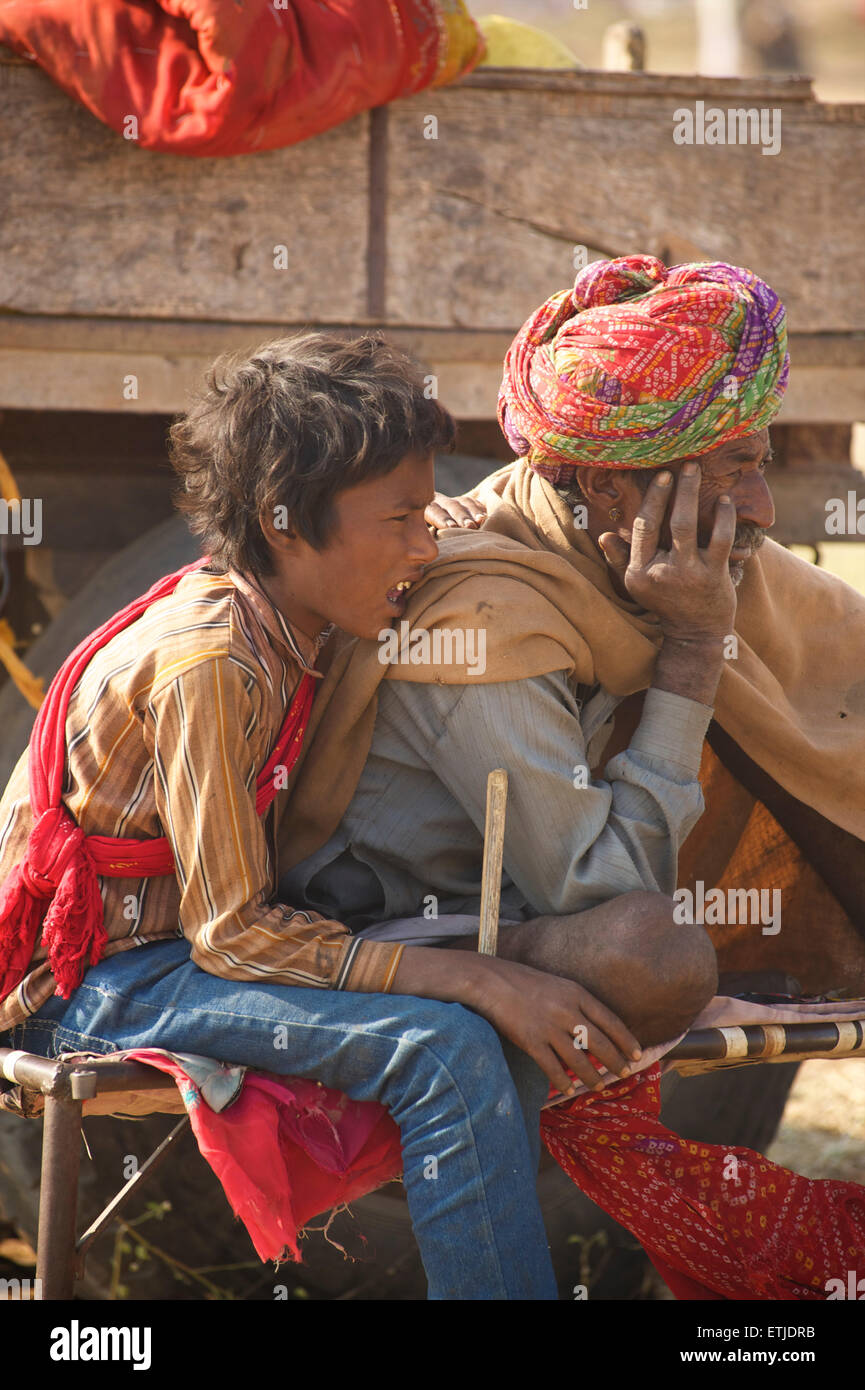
(61, 863)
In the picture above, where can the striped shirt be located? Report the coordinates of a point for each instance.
(167, 729)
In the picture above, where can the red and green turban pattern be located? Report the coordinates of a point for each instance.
(639, 365)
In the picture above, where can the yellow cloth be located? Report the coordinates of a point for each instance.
(514, 45)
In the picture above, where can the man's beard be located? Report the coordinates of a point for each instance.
(747, 534)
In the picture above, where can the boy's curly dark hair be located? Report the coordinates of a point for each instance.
(292, 425)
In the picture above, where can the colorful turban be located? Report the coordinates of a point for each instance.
(639, 365)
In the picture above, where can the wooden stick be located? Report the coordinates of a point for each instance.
(494, 844)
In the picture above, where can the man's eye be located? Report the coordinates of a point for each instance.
(399, 518)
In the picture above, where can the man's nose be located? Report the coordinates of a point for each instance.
(754, 503)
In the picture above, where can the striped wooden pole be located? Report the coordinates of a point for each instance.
(705, 1048)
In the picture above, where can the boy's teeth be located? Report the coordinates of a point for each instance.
(403, 585)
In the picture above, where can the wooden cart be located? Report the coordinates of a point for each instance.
(446, 219)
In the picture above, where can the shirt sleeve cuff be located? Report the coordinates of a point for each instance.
(369, 967)
(672, 728)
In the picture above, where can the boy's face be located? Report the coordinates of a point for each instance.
(380, 541)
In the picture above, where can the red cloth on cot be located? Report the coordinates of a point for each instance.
(287, 1149)
(717, 1223)
(215, 77)
(61, 863)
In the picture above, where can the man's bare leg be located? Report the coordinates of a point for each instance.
(653, 973)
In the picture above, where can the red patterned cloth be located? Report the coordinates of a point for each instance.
(219, 77)
(716, 1222)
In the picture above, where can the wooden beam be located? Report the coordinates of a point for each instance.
(764, 89)
(85, 364)
(485, 220)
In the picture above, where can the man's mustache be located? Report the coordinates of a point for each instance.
(747, 534)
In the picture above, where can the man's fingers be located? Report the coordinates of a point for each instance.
(555, 1073)
(683, 518)
(444, 512)
(616, 551)
(476, 510)
(461, 514)
(723, 532)
(437, 518)
(599, 1044)
(647, 523)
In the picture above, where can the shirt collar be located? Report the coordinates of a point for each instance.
(305, 650)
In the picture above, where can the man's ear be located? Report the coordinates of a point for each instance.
(276, 526)
(605, 487)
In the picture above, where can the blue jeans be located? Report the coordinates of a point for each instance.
(458, 1092)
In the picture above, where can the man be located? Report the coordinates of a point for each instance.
(637, 376)
(137, 833)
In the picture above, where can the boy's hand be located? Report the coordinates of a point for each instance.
(557, 1022)
(538, 1012)
(444, 512)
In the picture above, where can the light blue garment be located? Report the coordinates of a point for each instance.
(411, 841)
(458, 1092)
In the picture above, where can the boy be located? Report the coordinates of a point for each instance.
(306, 469)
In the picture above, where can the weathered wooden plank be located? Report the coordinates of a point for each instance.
(765, 88)
(58, 381)
(483, 219)
(93, 225)
(69, 364)
(202, 338)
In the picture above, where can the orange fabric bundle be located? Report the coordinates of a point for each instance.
(212, 77)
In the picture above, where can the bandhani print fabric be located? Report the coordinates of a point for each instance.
(639, 365)
(717, 1223)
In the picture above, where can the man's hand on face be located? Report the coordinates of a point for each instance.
(689, 589)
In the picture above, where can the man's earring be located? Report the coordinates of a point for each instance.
(616, 514)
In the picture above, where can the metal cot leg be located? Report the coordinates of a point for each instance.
(61, 1161)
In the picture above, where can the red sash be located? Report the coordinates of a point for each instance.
(61, 863)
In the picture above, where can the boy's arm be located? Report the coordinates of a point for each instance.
(206, 740)
(204, 733)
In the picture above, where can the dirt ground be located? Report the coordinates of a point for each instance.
(822, 1133)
